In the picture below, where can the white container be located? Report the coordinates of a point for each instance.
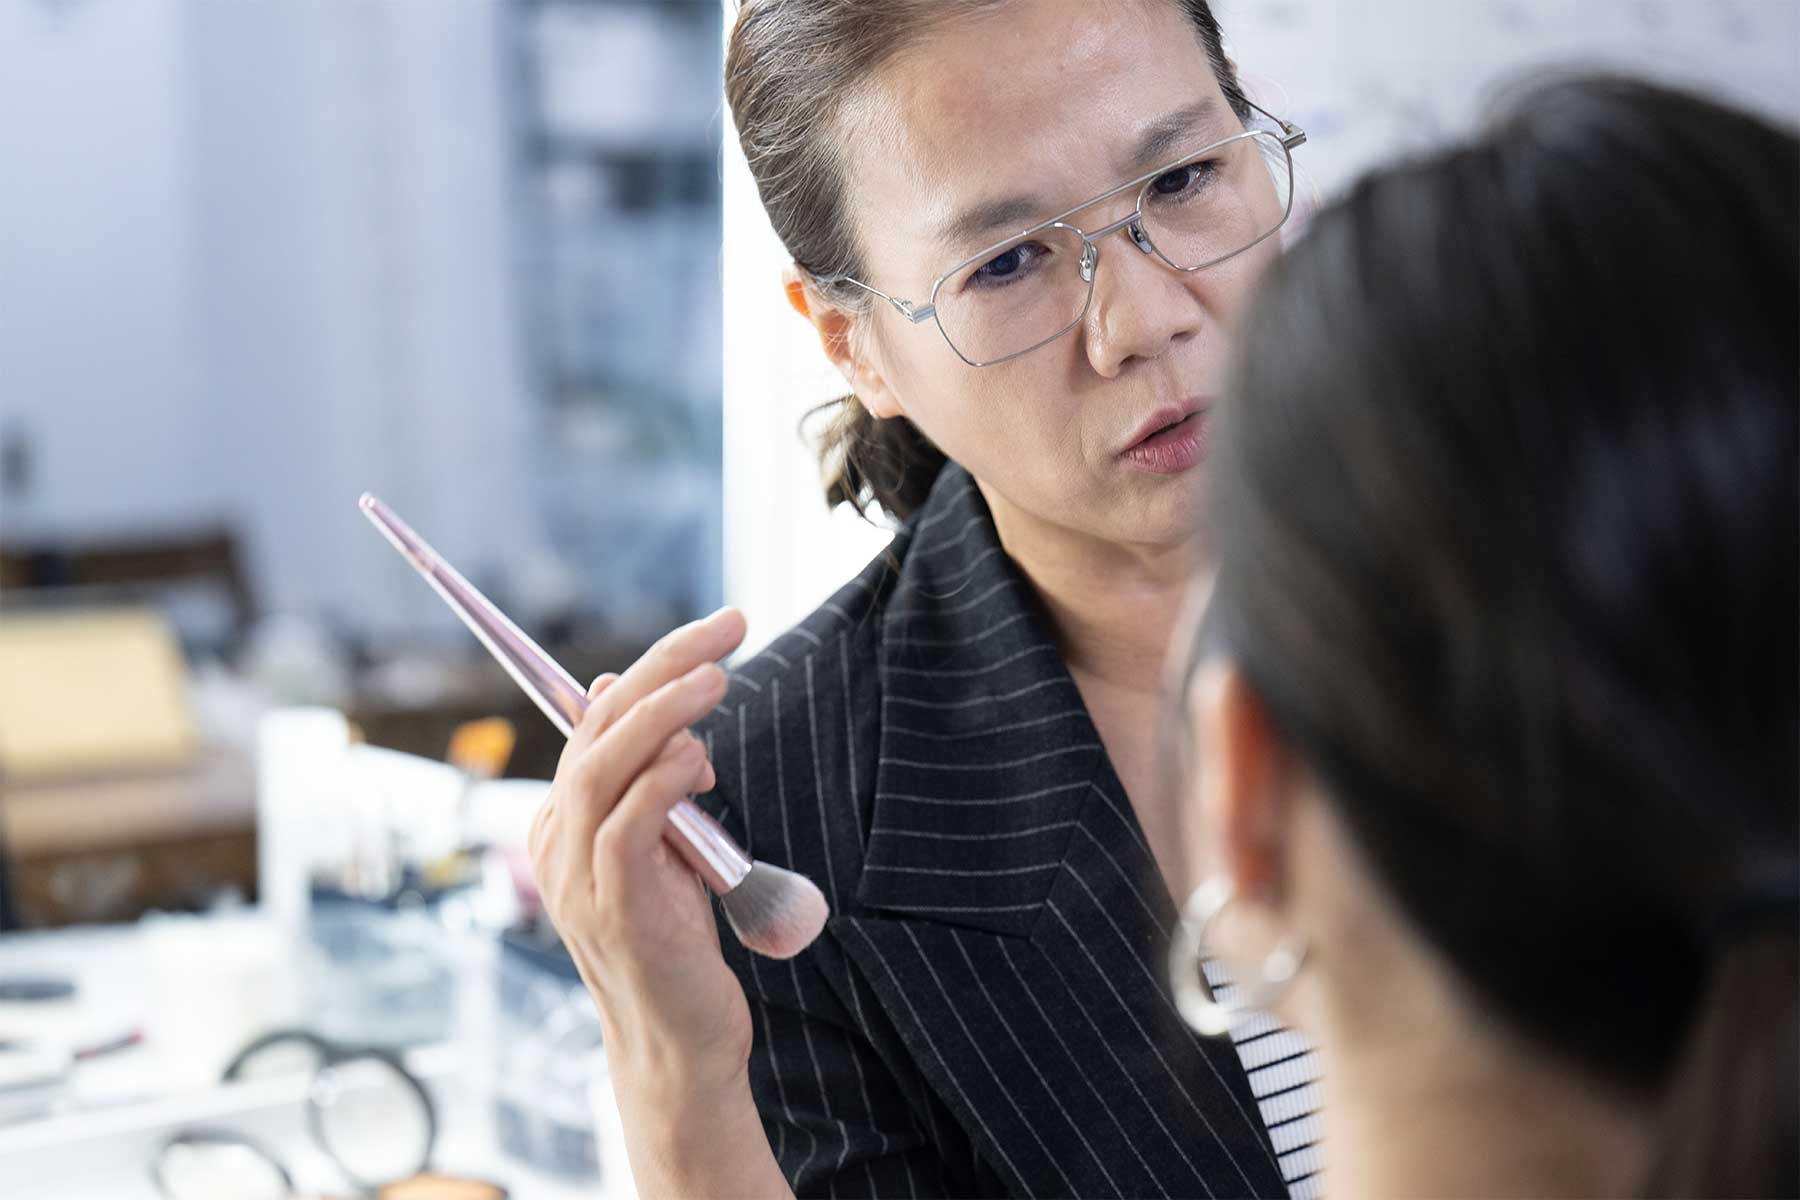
(300, 803)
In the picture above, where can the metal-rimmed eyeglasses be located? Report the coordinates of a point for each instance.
(1027, 290)
(367, 1114)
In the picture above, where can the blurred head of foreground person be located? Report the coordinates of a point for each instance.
(1495, 691)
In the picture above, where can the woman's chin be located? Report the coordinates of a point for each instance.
(1169, 513)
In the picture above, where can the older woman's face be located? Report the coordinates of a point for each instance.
(1030, 110)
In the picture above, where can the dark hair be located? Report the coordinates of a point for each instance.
(791, 67)
(1507, 513)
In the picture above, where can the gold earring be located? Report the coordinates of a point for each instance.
(1204, 1012)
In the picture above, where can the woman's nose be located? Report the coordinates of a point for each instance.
(1141, 306)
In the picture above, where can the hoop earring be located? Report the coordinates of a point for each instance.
(1204, 1012)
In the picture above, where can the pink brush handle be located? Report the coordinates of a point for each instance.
(699, 839)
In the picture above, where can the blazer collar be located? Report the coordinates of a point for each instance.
(987, 752)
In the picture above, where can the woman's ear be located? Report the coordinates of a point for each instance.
(1244, 776)
(836, 329)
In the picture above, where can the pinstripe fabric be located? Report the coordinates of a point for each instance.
(985, 1013)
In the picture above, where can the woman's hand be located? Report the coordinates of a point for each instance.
(637, 922)
(634, 916)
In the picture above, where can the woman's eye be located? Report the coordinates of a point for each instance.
(1007, 266)
(1192, 176)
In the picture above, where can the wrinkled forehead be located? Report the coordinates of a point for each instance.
(997, 121)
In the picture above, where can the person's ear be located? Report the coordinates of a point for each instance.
(1245, 775)
(836, 329)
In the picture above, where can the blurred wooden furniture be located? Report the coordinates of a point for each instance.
(87, 691)
(201, 554)
(109, 848)
(106, 847)
(134, 567)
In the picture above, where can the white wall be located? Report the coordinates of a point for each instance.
(253, 260)
(96, 260)
(1370, 79)
(1365, 80)
(354, 175)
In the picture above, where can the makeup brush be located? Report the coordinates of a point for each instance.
(774, 912)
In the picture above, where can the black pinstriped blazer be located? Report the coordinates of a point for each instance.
(986, 1012)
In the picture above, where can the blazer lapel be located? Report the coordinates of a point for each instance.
(986, 750)
(1010, 918)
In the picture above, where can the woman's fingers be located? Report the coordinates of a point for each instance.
(606, 768)
(636, 824)
(577, 741)
(675, 655)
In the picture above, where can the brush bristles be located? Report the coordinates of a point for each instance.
(775, 912)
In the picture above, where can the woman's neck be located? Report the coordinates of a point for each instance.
(1441, 1103)
(1112, 608)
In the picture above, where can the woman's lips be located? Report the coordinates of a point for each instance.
(1172, 449)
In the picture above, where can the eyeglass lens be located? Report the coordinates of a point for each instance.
(1195, 214)
(370, 1119)
(219, 1168)
(366, 1114)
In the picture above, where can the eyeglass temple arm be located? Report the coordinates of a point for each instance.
(918, 314)
(1291, 134)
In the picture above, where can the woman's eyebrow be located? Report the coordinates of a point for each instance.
(1159, 141)
(1168, 135)
(981, 219)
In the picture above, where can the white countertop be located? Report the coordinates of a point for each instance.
(121, 1106)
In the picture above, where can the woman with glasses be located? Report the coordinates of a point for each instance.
(1495, 695)
(1024, 230)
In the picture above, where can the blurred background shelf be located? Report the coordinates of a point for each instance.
(465, 257)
